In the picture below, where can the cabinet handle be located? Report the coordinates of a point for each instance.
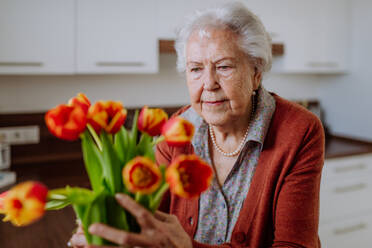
(119, 64)
(354, 187)
(349, 229)
(329, 64)
(350, 168)
(29, 64)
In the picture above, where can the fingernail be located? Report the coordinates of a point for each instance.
(119, 196)
(92, 228)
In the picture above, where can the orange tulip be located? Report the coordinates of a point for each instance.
(24, 203)
(188, 176)
(66, 122)
(141, 175)
(178, 131)
(80, 100)
(107, 115)
(151, 121)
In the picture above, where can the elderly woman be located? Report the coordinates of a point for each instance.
(266, 152)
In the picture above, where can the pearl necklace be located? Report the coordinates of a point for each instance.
(240, 147)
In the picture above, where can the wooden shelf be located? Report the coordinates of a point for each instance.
(167, 46)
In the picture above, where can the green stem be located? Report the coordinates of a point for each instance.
(155, 201)
(95, 136)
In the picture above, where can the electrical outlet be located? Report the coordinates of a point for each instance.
(20, 135)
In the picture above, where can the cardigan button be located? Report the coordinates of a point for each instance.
(191, 221)
(239, 237)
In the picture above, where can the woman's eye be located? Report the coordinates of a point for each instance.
(195, 69)
(223, 67)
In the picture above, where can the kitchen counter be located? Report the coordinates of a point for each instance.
(55, 228)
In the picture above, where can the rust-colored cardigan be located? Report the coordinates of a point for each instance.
(282, 205)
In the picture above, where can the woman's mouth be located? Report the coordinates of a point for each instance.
(214, 103)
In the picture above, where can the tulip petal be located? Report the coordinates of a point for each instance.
(66, 122)
(151, 121)
(24, 203)
(188, 176)
(141, 175)
(107, 115)
(178, 131)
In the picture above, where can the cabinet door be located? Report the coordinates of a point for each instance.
(345, 198)
(116, 36)
(330, 36)
(315, 34)
(36, 37)
(345, 233)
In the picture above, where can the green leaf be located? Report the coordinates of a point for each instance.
(80, 211)
(93, 161)
(95, 213)
(111, 165)
(121, 144)
(57, 194)
(157, 196)
(145, 147)
(56, 204)
(116, 215)
(80, 196)
(133, 138)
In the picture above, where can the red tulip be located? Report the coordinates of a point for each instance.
(188, 176)
(141, 175)
(107, 115)
(66, 122)
(80, 100)
(178, 131)
(24, 203)
(151, 121)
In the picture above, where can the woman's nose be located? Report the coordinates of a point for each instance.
(210, 81)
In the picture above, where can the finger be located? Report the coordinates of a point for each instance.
(80, 229)
(98, 246)
(118, 236)
(166, 218)
(161, 216)
(78, 240)
(143, 216)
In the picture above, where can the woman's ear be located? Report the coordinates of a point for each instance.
(257, 78)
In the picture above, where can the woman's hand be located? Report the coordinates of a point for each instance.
(158, 230)
(78, 239)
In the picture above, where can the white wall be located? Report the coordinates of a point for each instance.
(348, 99)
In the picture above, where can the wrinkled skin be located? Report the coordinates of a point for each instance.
(158, 230)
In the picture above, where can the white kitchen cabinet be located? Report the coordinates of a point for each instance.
(36, 37)
(116, 36)
(346, 203)
(315, 33)
(348, 232)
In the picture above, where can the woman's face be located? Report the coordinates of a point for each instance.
(219, 76)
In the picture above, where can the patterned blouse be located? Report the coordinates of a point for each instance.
(217, 214)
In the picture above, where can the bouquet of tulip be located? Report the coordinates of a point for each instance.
(116, 161)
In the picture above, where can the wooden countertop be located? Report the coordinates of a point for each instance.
(55, 228)
(341, 146)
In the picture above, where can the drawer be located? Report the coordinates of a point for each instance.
(346, 167)
(355, 232)
(347, 197)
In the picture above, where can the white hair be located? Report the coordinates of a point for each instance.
(253, 39)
